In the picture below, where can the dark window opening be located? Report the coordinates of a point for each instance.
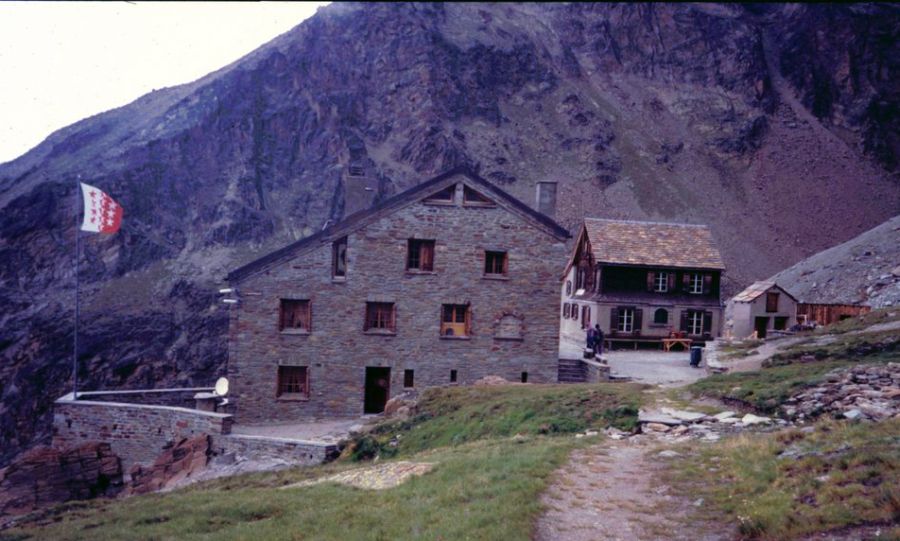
(566, 310)
(661, 316)
(524, 377)
(339, 258)
(420, 255)
(771, 302)
(380, 316)
(453, 376)
(294, 314)
(470, 196)
(408, 378)
(495, 263)
(293, 381)
(444, 196)
(455, 320)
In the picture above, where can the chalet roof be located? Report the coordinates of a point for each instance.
(359, 219)
(756, 289)
(656, 244)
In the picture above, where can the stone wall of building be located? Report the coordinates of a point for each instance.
(337, 351)
(136, 433)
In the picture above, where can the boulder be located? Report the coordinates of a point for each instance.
(750, 419)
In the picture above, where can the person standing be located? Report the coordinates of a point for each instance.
(598, 340)
(591, 339)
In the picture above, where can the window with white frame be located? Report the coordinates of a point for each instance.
(661, 282)
(696, 284)
(626, 320)
(695, 322)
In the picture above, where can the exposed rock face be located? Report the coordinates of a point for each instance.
(865, 269)
(765, 124)
(175, 465)
(44, 476)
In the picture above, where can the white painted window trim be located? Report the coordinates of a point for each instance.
(661, 282)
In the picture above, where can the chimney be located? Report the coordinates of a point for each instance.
(546, 198)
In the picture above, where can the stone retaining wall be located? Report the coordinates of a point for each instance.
(596, 372)
(149, 397)
(136, 432)
(301, 453)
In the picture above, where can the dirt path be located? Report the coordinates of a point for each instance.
(611, 491)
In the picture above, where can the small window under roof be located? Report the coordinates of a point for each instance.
(471, 197)
(444, 196)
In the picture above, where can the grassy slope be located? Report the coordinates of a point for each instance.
(485, 485)
(841, 475)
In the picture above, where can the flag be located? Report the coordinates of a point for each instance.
(101, 213)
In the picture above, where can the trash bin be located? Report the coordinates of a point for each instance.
(696, 355)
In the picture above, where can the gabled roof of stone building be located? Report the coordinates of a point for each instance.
(413, 195)
(756, 289)
(626, 242)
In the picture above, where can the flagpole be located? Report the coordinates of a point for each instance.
(77, 253)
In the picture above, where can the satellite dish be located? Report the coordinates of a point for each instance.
(222, 386)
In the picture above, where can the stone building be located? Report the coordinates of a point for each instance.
(641, 281)
(448, 282)
(759, 309)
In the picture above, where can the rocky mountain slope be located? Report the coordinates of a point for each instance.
(776, 125)
(865, 269)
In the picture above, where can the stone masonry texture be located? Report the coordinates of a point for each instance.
(136, 433)
(337, 351)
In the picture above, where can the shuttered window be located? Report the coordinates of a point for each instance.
(625, 321)
(696, 283)
(771, 302)
(661, 282)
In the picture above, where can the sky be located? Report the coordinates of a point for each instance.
(63, 61)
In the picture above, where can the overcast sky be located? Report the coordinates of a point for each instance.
(64, 61)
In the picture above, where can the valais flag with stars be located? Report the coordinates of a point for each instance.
(101, 213)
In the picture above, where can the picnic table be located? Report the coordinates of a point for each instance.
(668, 343)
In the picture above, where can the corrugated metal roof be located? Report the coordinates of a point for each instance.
(653, 244)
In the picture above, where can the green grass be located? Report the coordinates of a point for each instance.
(881, 346)
(783, 376)
(841, 475)
(485, 485)
(455, 415)
(766, 389)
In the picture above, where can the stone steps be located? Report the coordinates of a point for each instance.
(571, 371)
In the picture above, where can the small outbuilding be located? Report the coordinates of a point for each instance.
(761, 308)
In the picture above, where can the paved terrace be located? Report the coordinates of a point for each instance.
(644, 366)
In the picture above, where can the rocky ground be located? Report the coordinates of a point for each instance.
(865, 269)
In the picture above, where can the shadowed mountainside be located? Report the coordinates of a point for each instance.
(775, 125)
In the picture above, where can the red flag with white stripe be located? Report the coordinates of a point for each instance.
(101, 213)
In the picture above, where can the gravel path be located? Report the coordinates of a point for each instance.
(611, 491)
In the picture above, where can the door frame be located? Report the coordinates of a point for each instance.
(386, 371)
(756, 321)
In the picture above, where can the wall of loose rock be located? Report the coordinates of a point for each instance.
(137, 433)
